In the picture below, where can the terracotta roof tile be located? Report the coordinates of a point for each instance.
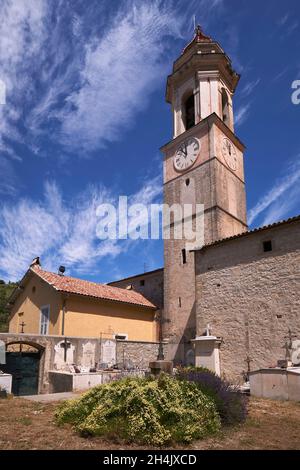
(73, 285)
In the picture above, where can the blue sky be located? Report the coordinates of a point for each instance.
(85, 116)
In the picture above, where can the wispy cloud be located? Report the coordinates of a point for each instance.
(280, 74)
(242, 114)
(79, 82)
(249, 88)
(288, 23)
(281, 199)
(283, 20)
(113, 88)
(8, 178)
(246, 95)
(61, 231)
(21, 35)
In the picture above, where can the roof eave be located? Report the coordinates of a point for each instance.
(151, 307)
(247, 233)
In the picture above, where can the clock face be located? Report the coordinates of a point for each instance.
(229, 154)
(186, 154)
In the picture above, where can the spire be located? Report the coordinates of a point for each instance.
(199, 37)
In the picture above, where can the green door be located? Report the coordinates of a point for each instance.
(24, 368)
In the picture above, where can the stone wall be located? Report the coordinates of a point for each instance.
(83, 352)
(137, 354)
(148, 284)
(250, 298)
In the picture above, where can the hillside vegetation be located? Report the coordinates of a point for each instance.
(5, 292)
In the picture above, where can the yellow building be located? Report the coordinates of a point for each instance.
(53, 304)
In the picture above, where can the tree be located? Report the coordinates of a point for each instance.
(5, 292)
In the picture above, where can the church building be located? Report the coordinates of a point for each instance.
(232, 305)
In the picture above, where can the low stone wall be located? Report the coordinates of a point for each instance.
(137, 353)
(67, 382)
(84, 353)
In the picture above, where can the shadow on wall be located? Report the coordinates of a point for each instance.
(181, 348)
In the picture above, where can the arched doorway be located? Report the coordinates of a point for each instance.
(23, 363)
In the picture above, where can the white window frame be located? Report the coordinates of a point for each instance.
(44, 323)
(121, 334)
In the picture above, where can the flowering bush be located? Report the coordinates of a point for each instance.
(230, 403)
(146, 411)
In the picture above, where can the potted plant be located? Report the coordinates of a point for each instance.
(3, 393)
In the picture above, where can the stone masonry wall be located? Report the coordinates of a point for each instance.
(249, 297)
(136, 354)
(85, 352)
(148, 284)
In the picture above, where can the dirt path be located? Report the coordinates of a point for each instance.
(30, 425)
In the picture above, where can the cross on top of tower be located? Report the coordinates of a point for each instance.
(199, 37)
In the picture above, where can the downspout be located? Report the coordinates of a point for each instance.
(63, 317)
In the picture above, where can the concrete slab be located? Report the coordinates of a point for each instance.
(51, 397)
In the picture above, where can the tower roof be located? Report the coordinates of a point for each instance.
(202, 54)
(199, 37)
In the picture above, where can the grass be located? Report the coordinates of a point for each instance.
(30, 425)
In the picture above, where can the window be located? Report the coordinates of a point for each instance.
(179, 302)
(44, 322)
(187, 182)
(142, 282)
(267, 246)
(183, 256)
(189, 112)
(225, 107)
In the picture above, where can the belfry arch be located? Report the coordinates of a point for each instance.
(188, 110)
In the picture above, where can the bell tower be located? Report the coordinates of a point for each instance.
(203, 164)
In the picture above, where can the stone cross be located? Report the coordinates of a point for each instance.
(22, 326)
(207, 330)
(289, 343)
(248, 360)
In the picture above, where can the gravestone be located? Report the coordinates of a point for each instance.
(62, 360)
(108, 352)
(88, 355)
(295, 355)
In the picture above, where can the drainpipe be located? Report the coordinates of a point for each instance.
(63, 317)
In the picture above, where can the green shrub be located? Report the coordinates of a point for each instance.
(146, 411)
